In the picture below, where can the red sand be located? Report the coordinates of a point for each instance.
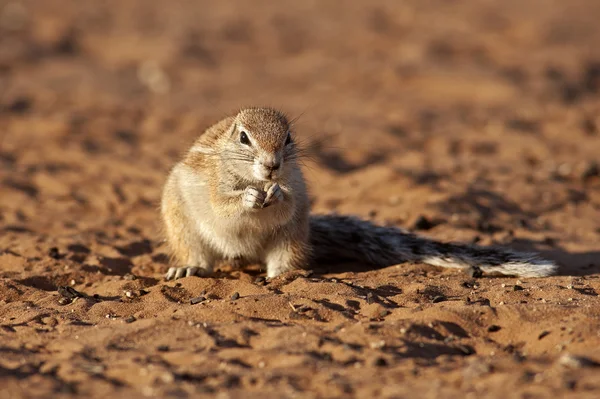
(482, 117)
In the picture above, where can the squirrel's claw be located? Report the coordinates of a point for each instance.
(253, 198)
(274, 194)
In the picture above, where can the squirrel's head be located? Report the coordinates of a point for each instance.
(260, 144)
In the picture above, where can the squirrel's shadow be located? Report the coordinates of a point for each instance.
(570, 263)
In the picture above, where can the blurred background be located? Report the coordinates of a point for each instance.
(466, 118)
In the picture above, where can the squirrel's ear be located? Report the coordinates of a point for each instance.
(232, 130)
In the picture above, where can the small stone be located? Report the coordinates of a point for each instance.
(235, 296)
(163, 348)
(370, 298)
(167, 377)
(377, 344)
(517, 288)
(130, 319)
(260, 280)
(197, 300)
(64, 301)
(543, 334)
(129, 294)
(564, 169)
(69, 292)
(439, 298)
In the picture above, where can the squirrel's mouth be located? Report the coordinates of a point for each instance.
(265, 173)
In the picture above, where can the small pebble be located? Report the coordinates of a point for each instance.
(198, 299)
(543, 334)
(494, 328)
(377, 344)
(129, 294)
(130, 319)
(517, 288)
(260, 280)
(439, 298)
(235, 296)
(370, 299)
(162, 348)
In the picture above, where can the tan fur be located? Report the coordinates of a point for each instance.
(212, 200)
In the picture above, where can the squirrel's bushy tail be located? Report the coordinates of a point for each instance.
(337, 239)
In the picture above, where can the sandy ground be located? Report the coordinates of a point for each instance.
(481, 117)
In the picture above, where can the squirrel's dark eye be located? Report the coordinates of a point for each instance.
(244, 138)
(288, 139)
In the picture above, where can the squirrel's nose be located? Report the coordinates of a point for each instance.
(272, 165)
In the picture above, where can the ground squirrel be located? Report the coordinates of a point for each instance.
(239, 195)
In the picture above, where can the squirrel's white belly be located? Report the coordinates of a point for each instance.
(232, 240)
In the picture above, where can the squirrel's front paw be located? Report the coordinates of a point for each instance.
(253, 198)
(274, 194)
